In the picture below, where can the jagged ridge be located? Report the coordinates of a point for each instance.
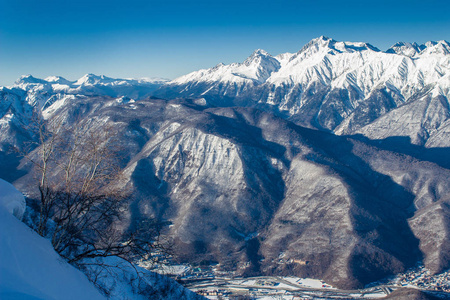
(329, 85)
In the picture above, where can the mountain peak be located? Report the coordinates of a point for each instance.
(91, 79)
(321, 39)
(327, 45)
(258, 56)
(441, 47)
(260, 52)
(218, 66)
(406, 49)
(258, 66)
(319, 42)
(58, 79)
(26, 79)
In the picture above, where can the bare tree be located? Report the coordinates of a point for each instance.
(81, 198)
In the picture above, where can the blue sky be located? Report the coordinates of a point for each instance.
(136, 38)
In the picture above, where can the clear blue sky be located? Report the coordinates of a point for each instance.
(169, 38)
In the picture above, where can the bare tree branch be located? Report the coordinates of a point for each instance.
(80, 202)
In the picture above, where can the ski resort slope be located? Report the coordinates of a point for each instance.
(29, 267)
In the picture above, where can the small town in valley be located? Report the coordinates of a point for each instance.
(212, 283)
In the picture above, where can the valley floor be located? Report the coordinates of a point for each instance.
(213, 284)
(289, 288)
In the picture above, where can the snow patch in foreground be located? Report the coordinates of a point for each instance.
(11, 199)
(29, 266)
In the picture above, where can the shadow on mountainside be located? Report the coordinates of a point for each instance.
(265, 185)
(224, 230)
(379, 207)
(379, 212)
(9, 163)
(403, 145)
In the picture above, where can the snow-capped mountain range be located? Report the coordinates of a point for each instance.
(226, 157)
(42, 93)
(337, 64)
(20, 102)
(342, 87)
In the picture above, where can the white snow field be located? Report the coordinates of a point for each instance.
(11, 199)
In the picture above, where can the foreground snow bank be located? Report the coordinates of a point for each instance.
(121, 280)
(29, 267)
(11, 199)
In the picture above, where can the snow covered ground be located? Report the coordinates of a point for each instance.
(11, 199)
(29, 267)
(309, 282)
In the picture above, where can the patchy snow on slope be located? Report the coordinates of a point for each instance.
(55, 104)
